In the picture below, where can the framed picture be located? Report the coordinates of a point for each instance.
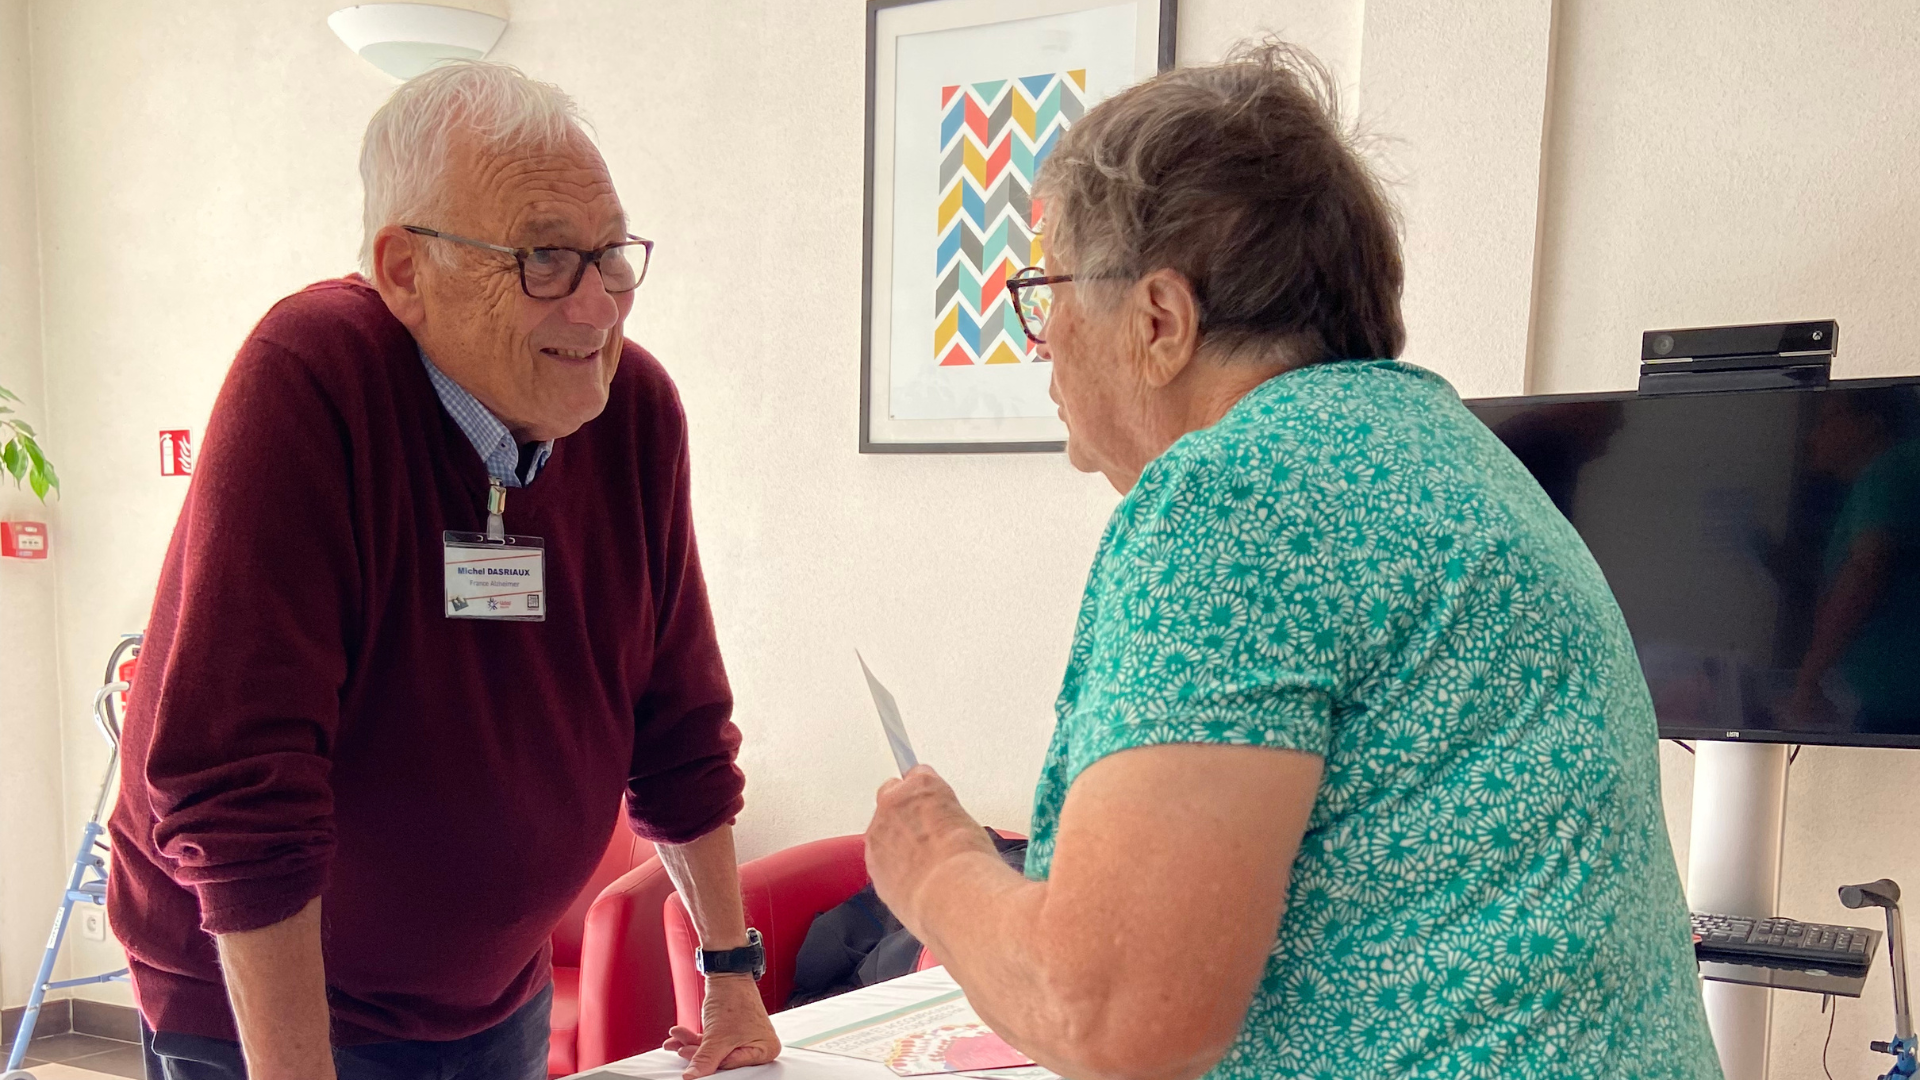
(965, 100)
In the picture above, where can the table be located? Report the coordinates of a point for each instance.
(1787, 978)
(795, 1024)
(823, 1016)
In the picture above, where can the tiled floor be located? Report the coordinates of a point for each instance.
(70, 1072)
(81, 1057)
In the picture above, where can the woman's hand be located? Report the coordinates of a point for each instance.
(918, 825)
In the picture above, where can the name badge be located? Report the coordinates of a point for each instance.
(496, 578)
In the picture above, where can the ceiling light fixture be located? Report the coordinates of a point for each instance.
(404, 40)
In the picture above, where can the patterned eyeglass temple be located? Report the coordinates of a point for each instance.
(1032, 291)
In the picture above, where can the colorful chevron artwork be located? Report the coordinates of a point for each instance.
(993, 138)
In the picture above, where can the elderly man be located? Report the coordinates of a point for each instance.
(366, 772)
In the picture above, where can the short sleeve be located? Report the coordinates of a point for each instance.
(1217, 616)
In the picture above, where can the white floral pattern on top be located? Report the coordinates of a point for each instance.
(1349, 564)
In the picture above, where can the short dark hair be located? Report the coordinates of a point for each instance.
(1240, 177)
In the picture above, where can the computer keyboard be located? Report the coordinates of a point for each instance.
(1743, 939)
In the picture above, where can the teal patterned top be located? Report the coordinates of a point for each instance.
(1350, 565)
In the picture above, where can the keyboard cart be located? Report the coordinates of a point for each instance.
(87, 880)
(1783, 954)
(1885, 894)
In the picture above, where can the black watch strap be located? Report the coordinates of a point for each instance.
(750, 959)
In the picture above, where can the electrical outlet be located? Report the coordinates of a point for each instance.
(93, 922)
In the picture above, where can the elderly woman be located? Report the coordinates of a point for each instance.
(1355, 771)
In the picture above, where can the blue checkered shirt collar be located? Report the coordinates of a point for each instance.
(490, 438)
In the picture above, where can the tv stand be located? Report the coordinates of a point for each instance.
(1733, 866)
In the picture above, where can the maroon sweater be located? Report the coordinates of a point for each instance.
(306, 722)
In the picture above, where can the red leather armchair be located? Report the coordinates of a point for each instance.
(612, 989)
(783, 892)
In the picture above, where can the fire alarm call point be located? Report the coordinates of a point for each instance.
(23, 539)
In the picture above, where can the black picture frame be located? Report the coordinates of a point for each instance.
(1168, 24)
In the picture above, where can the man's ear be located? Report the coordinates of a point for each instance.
(1168, 316)
(396, 274)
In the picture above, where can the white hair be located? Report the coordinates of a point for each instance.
(403, 159)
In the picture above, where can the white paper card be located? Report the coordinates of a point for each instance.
(890, 720)
(940, 1035)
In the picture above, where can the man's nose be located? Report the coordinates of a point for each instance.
(591, 303)
(1042, 351)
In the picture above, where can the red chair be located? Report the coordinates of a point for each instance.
(612, 989)
(784, 891)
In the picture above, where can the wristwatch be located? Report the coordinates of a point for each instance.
(750, 959)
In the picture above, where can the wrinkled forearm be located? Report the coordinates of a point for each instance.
(1140, 955)
(706, 872)
(1049, 981)
(979, 918)
(276, 979)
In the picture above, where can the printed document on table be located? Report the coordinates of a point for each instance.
(939, 1035)
(903, 755)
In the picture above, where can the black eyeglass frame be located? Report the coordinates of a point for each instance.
(1022, 279)
(588, 257)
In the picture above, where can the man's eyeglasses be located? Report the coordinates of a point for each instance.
(553, 273)
(1032, 291)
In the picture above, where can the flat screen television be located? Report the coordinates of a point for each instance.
(1764, 545)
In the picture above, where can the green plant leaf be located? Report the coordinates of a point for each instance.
(20, 455)
(40, 476)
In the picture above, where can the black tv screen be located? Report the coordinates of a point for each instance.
(1764, 545)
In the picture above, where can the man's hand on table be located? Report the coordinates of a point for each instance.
(735, 1029)
(918, 825)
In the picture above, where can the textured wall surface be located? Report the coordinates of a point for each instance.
(168, 171)
(1715, 162)
(32, 835)
(197, 162)
(1458, 94)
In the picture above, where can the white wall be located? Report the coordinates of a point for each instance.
(1719, 161)
(215, 173)
(32, 838)
(1458, 93)
(195, 161)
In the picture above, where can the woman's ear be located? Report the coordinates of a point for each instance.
(1167, 315)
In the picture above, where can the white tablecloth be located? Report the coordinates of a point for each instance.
(794, 1024)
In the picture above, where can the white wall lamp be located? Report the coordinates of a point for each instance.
(404, 40)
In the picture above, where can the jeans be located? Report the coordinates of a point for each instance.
(513, 1049)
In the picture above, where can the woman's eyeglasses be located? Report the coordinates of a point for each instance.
(1032, 290)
